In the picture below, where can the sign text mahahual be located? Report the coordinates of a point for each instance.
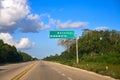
(62, 34)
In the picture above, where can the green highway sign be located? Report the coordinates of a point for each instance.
(62, 34)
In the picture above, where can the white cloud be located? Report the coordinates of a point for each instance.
(16, 14)
(11, 11)
(35, 23)
(23, 43)
(69, 24)
(30, 24)
(101, 28)
(7, 38)
(33, 17)
(46, 21)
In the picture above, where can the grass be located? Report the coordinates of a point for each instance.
(99, 64)
(113, 70)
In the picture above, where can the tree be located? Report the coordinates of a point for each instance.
(66, 43)
(25, 56)
(9, 54)
(92, 42)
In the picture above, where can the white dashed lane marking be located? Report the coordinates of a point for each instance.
(63, 74)
(69, 78)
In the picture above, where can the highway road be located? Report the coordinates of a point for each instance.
(8, 71)
(43, 70)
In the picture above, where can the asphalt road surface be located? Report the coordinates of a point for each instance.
(43, 70)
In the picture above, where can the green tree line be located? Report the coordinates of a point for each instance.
(9, 54)
(92, 42)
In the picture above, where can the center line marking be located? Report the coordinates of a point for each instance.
(21, 74)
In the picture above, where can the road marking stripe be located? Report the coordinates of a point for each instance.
(17, 77)
(63, 74)
(69, 78)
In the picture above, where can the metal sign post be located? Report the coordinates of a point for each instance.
(66, 35)
(77, 58)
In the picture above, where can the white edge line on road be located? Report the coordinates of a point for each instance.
(63, 74)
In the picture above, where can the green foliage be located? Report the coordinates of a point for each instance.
(25, 56)
(9, 54)
(99, 42)
(94, 43)
(97, 49)
(113, 69)
(111, 58)
(53, 57)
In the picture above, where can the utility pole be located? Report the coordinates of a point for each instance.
(77, 58)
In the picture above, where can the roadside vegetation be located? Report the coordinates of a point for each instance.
(9, 54)
(99, 51)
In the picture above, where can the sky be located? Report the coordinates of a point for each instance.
(26, 23)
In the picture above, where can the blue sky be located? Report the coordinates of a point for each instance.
(91, 14)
